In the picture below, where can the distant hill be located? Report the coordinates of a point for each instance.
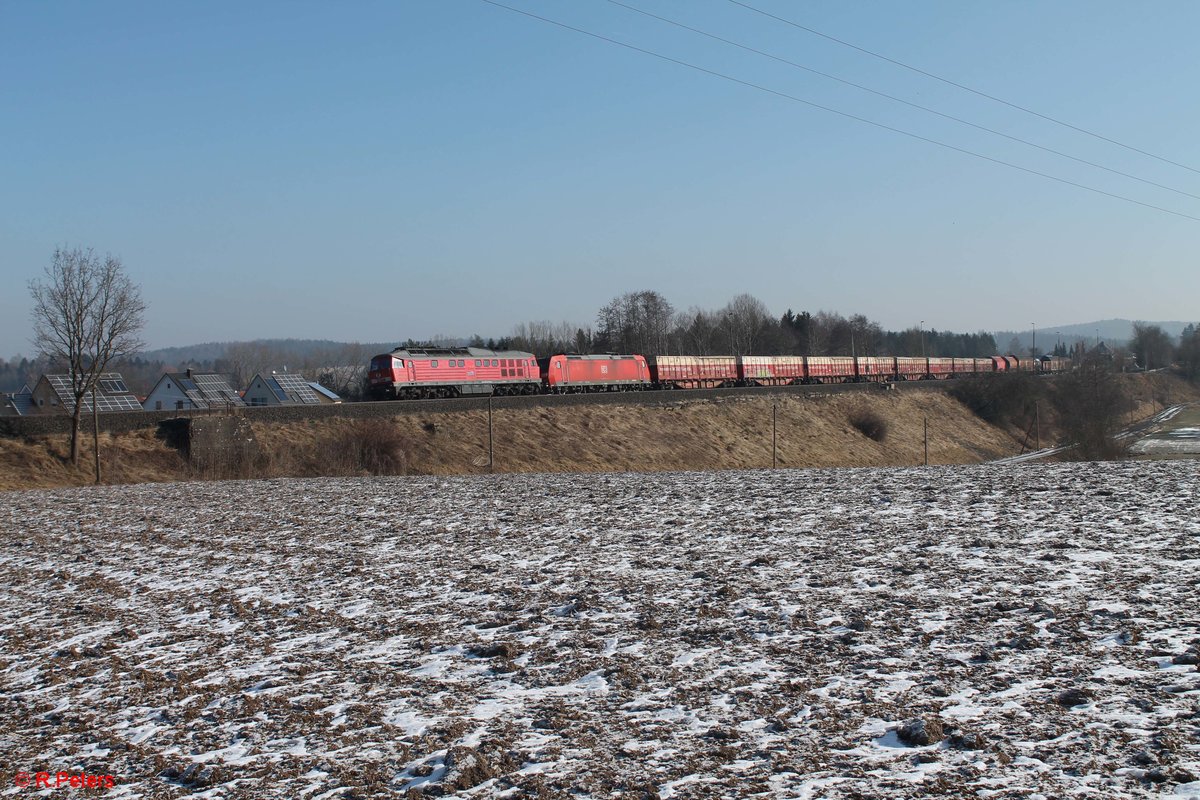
(1112, 331)
(296, 349)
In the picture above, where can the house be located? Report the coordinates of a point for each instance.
(286, 389)
(17, 404)
(191, 390)
(324, 395)
(52, 394)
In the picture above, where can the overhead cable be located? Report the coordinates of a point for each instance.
(901, 100)
(955, 84)
(830, 110)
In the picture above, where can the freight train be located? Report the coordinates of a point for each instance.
(409, 373)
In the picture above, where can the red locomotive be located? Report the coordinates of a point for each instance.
(427, 372)
(604, 373)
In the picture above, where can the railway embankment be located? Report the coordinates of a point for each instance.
(834, 426)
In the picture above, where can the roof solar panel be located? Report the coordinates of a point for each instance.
(111, 394)
(217, 390)
(297, 388)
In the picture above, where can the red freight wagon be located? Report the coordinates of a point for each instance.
(910, 369)
(607, 373)
(940, 368)
(692, 372)
(1011, 362)
(771, 370)
(876, 368)
(829, 369)
(424, 372)
(964, 365)
(1000, 363)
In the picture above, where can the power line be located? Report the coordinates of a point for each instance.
(811, 104)
(901, 100)
(949, 82)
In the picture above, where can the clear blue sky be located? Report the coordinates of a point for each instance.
(375, 171)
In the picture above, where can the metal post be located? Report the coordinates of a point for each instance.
(491, 451)
(96, 434)
(927, 441)
(774, 456)
(1037, 418)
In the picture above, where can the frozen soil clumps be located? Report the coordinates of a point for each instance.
(955, 632)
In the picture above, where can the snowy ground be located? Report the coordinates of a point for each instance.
(992, 632)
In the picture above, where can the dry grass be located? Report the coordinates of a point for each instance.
(732, 433)
(689, 435)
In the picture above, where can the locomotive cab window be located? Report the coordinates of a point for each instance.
(433, 364)
(478, 363)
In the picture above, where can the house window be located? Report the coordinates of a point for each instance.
(158, 405)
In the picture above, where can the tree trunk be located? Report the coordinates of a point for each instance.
(75, 431)
(96, 434)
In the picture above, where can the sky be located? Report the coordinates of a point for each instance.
(376, 171)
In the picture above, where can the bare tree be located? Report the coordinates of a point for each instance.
(545, 338)
(86, 313)
(244, 360)
(1090, 404)
(1151, 346)
(635, 322)
(748, 324)
(1189, 352)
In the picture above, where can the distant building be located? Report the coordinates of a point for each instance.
(181, 391)
(52, 394)
(17, 404)
(325, 395)
(286, 389)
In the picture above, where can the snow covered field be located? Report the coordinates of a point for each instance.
(992, 632)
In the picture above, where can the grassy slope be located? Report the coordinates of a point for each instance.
(688, 435)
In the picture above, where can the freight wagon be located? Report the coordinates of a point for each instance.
(692, 372)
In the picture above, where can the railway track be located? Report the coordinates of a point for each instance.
(141, 420)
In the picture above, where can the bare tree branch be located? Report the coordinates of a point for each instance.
(86, 313)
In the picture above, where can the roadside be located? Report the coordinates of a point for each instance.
(1177, 435)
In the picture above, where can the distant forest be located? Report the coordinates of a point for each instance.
(636, 322)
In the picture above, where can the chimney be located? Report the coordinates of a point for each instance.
(189, 372)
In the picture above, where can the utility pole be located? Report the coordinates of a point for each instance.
(927, 441)
(1037, 419)
(1033, 346)
(922, 338)
(774, 415)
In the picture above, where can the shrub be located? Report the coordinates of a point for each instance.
(1004, 398)
(1091, 407)
(371, 446)
(869, 424)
